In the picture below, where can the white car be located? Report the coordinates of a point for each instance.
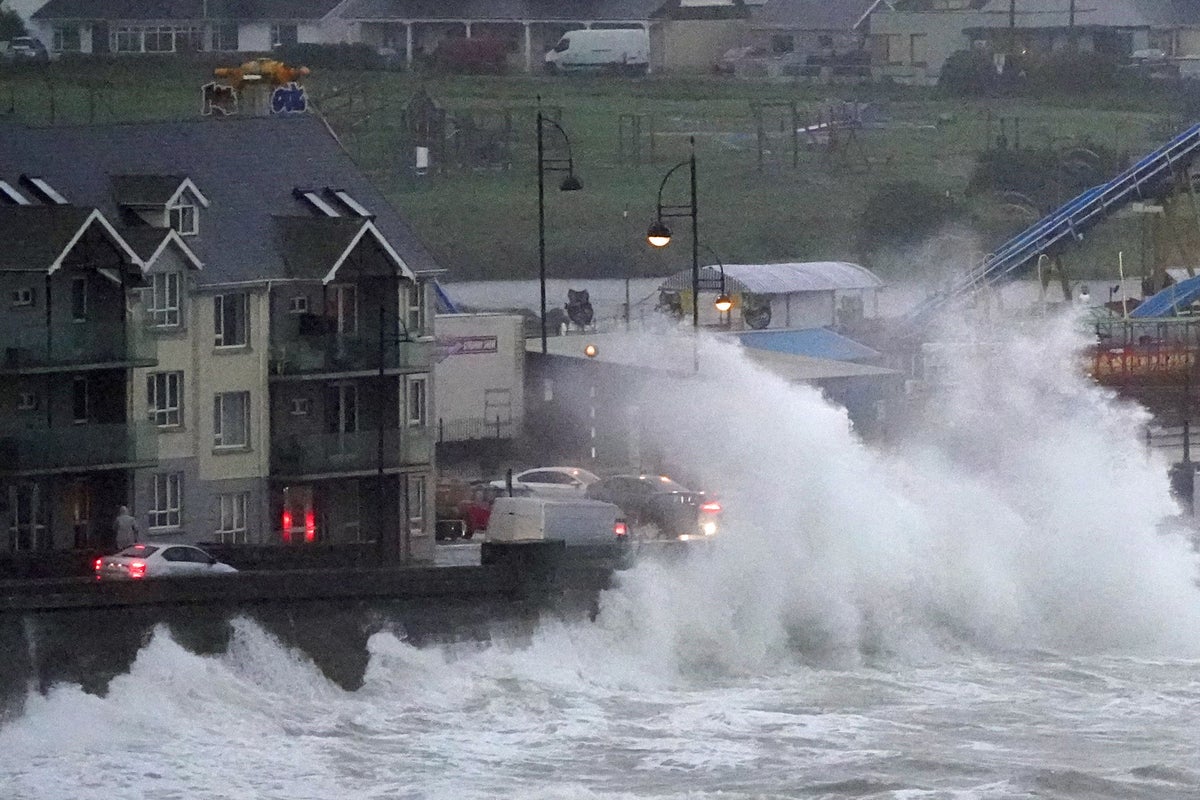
(552, 481)
(158, 560)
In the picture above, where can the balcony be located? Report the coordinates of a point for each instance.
(314, 356)
(113, 344)
(78, 448)
(295, 455)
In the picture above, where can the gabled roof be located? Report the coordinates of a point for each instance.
(504, 10)
(316, 247)
(38, 238)
(153, 191)
(813, 15)
(185, 9)
(248, 167)
(149, 243)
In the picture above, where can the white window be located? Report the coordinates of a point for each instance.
(231, 420)
(23, 296)
(416, 405)
(125, 40)
(66, 39)
(164, 392)
(415, 497)
(230, 321)
(166, 501)
(231, 517)
(164, 299)
(184, 219)
(298, 304)
(415, 312)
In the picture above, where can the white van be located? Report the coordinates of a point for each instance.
(576, 521)
(624, 51)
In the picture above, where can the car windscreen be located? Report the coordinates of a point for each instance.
(667, 485)
(138, 551)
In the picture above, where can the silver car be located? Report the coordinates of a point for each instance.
(158, 560)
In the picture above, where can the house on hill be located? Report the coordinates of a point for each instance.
(223, 326)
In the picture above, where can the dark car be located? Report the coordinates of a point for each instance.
(26, 48)
(655, 505)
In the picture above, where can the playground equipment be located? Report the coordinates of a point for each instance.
(1158, 177)
(262, 85)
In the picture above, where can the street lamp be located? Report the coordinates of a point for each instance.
(723, 302)
(570, 183)
(659, 235)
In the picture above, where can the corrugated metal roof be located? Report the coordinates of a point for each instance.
(786, 278)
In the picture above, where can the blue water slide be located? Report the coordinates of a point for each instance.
(1072, 219)
(444, 304)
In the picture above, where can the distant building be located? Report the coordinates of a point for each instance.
(223, 326)
(811, 27)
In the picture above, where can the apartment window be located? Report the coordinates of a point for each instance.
(916, 49)
(416, 411)
(166, 501)
(342, 307)
(27, 518)
(81, 406)
(301, 406)
(415, 497)
(27, 401)
(23, 296)
(164, 392)
(415, 313)
(79, 299)
(184, 219)
(225, 38)
(66, 39)
(341, 408)
(298, 304)
(164, 299)
(230, 320)
(231, 517)
(231, 420)
(283, 35)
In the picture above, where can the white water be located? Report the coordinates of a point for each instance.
(985, 610)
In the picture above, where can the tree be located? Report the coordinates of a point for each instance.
(11, 25)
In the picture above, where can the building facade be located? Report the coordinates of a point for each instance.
(272, 377)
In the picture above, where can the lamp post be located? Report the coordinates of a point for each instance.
(723, 302)
(389, 551)
(659, 235)
(569, 184)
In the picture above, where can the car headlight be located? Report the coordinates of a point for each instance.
(708, 528)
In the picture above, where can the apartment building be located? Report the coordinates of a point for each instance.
(273, 382)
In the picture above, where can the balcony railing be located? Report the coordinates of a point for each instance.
(332, 353)
(314, 454)
(78, 447)
(76, 344)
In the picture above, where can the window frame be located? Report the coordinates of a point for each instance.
(86, 397)
(60, 35)
(79, 298)
(416, 491)
(176, 216)
(168, 314)
(416, 313)
(161, 412)
(220, 317)
(411, 382)
(166, 501)
(220, 434)
(232, 507)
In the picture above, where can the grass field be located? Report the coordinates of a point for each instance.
(482, 223)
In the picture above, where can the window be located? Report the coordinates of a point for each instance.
(782, 43)
(231, 517)
(342, 307)
(80, 402)
(916, 49)
(298, 304)
(301, 406)
(66, 39)
(158, 39)
(416, 406)
(184, 219)
(415, 498)
(230, 321)
(164, 391)
(225, 38)
(164, 299)
(231, 420)
(27, 518)
(415, 312)
(893, 50)
(79, 297)
(22, 297)
(125, 40)
(283, 35)
(27, 401)
(166, 502)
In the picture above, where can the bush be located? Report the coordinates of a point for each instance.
(10, 24)
(903, 213)
(969, 72)
(1067, 72)
(482, 55)
(330, 56)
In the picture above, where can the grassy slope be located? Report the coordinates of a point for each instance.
(484, 224)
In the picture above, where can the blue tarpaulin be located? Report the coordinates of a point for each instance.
(1170, 301)
(813, 342)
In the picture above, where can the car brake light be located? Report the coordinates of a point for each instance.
(712, 507)
(620, 528)
(98, 563)
(137, 569)
(286, 524)
(310, 526)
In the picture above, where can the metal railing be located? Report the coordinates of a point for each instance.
(78, 343)
(78, 446)
(357, 451)
(326, 353)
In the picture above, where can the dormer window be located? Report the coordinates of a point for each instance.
(184, 218)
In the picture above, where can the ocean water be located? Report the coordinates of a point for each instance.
(991, 607)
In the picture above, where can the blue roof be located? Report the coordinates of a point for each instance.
(1171, 300)
(813, 342)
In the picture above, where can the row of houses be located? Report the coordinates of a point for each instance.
(224, 327)
(906, 40)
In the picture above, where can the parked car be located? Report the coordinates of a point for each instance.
(574, 520)
(552, 481)
(159, 560)
(658, 507)
(25, 48)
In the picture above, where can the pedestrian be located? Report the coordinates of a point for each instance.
(126, 529)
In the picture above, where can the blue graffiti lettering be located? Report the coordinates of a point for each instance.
(289, 99)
